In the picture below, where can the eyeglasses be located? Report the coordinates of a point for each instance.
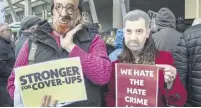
(70, 9)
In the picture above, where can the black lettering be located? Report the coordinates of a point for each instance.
(41, 85)
(45, 75)
(69, 71)
(73, 79)
(34, 86)
(23, 80)
(37, 77)
(62, 72)
(47, 83)
(54, 82)
(75, 70)
(29, 86)
(54, 73)
(22, 88)
(26, 87)
(29, 77)
(58, 81)
(79, 79)
(68, 80)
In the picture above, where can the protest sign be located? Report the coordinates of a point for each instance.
(2, 11)
(136, 85)
(62, 79)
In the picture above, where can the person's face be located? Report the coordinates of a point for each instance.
(136, 33)
(86, 18)
(65, 15)
(6, 32)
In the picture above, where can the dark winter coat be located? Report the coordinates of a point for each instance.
(7, 60)
(188, 64)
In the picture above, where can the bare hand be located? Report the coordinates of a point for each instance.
(169, 74)
(67, 41)
(46, 100)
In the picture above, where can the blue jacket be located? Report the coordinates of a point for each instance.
(118, 45)
(119, 39)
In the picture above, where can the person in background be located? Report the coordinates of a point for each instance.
(7, 60)
(64, 39)
(109, 39)
(196, 21)
(28, 26)
(180, 26)
(167, 37)
(118, 45)
(87, 21)
(187, 61)
(139, 48)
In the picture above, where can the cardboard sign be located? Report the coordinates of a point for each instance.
(62, 79)
(136, 85)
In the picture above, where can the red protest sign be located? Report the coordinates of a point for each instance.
(136, 85)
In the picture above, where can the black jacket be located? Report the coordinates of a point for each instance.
(48, 50)
(7, 60)
(188, 64)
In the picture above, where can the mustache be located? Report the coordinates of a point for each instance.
(67, 17)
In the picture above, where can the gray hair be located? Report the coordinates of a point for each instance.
(136, 15)
(2, 24)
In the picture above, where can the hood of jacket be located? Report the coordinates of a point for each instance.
(165, 19)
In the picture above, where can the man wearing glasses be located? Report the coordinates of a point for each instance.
(67, 37)
(7, 60)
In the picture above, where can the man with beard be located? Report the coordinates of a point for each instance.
(139, 48)
(68, 38)
(7, 60)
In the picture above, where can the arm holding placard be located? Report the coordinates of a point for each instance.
(110, 96)
(96, 64)
(174, 92)
(177, 95)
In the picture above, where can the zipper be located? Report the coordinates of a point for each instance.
(60, 49)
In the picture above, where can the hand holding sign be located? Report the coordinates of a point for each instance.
(46, 101)
(169, 74)
(67, 41)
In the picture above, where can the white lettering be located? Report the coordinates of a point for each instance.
(136, 101)
(127, 99)
(136, 91)
(137, 82)
(151, 73)
(144, 73)
(126, 71)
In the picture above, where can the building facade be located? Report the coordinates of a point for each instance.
(109, 13)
